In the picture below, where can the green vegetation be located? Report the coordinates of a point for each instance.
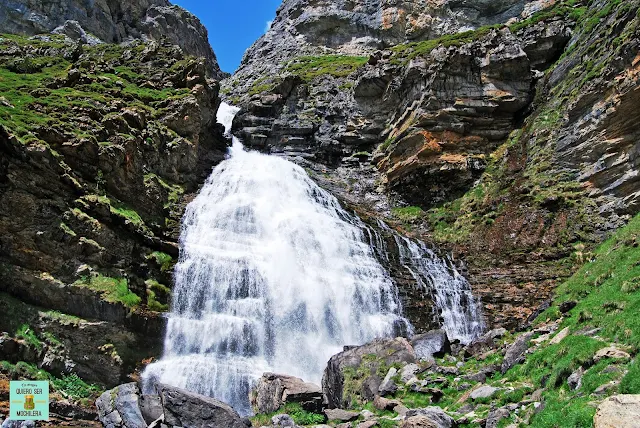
(174, 191)
(310, 67)
(404, 53)
(71, 386)
(631, 382)
(552, 364)
(568, 8)
(408, 214)
(606, 301)
(164, 260)
(386, 145)
(63, 319)
(66, 229)
(606, 289)
(115, 290)
(355, 376)
(117, 209)
(297, 413)
(24, 370)
(28, 335)
(154, 291)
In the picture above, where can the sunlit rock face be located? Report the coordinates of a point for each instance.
(111, 21)
(382, 23)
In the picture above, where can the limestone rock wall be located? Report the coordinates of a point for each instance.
(113, 21)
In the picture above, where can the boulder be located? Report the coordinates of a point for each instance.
(283, 420)
(382, 403)
(186, 409)
(485, 391)
(119, 407)
(388, 386)
(432, 344)
(272, 391)
(560, 336)
(341, 415)
(567, 306)
(18, 424)
(368, 358)
(515, 352)
(71, 410)
(619, 411)
(484, 343)
(428, 417)
(481, 376)
(575, 379)
(151, 408)
(495, 416)
(409, 372)
(611, 352)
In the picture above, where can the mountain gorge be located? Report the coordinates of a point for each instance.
(494, 140)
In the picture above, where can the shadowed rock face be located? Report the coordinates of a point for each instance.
(113, 21)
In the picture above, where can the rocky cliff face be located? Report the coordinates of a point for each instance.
(513, 146)
(111, 21)
(101, 148)
(361, 27)
(485, 141)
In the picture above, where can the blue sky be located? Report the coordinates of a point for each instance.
(233, 25)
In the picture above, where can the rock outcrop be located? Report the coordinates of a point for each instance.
(619, 411)
(111, 21)
(120, 408)
(100, 150)
(340, 384)
(124, 407)
(273, 391)
(185, 409)
(431, 344)
(495, 134)
(303, 27)
(415, 124)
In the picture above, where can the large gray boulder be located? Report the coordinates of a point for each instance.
(619, 411)
(120, 407)
(188, 410)
(373, 358)
(272, 391)
(428, 417)
(125, 407)
(432, 344)
(515, 352)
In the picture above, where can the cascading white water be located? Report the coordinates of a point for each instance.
(273, 276)
(459, 308)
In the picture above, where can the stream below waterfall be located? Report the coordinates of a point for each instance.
(274, 275)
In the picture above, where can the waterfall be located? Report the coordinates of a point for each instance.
(459, 308)
(273, 275)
